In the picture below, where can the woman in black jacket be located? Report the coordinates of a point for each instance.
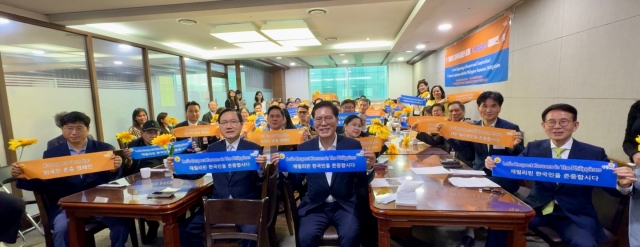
(232, 101)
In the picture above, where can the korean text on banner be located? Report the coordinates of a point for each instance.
(322, 161)
(216, 162)
(373, 143)
(371, 112)
(426, 124)
(156, 151)
(325, 96)
(68, 165)
(197, 131)
(568, 171)
(478, 134)
(482, 57)
(464, 97)
(412, 100)
(276, 137)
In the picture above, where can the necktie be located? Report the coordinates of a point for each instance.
(549, 207)
(230, 149)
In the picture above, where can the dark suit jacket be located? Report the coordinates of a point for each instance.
(141, 163)
(342, 186)
(59, 140)
(207, 117)
(54, 189)
(436, 141)
(575, 200)
(198, 140)
(240, 185)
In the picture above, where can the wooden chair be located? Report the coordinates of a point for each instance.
(91, 227)
(237, 212)
(610, 219)
(270, 190)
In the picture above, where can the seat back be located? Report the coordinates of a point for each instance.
(604, 203)
(5, 175)
(237, 212)
(294, 209)
(270, 189)
(44, 217)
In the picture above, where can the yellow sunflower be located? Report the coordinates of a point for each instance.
(21, 143)
(405, 142)
(214, 118)
(407, 110)
(397, 114)
(252, 118)
(125, 137)
(163, 141)
(172, 121)
(638, 141)
(392, 151)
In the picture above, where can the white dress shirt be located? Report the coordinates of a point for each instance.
(329, 174)
(192, 124)
(565, 155)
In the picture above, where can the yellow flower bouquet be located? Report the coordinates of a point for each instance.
(397, 114)
(163, 141)
(405, 142)
(424, 95)
(378, 129)
(392, 151)
(14, 144)
(638, 141)
(125, 137)
(407, 111)
(214, 119)
(252, 118)
(172, 121)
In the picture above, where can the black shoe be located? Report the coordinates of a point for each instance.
(152, 233)
(467, 242)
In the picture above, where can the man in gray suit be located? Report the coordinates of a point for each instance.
(60, 139)
(213, 106)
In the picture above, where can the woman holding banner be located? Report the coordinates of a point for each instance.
(437, 96)
(631, 147)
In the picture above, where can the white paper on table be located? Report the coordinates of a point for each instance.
(409, 186)
(467, 172)
(381, 160)
(169, 189)
(387, 199)
(404, 198)
(111, 186)
(101, 199)
(430, 170)
(387, 182)
(210, 175)
(473, 182)
(159, 170)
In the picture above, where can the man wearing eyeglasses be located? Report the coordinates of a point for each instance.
(331, 197)
(228, 185)
(566, 208)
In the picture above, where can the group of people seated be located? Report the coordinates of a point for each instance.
(337, 199)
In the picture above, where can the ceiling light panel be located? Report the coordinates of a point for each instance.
(15, 50)
(237, 33)
(287, 30)
(258, 45)
(301, 42)
(366, 44)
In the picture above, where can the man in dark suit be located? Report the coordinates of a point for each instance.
(567, 208)
(213, 106)
(192, 110)
(60, 139)
(228, 185)
(75, 128)
(331, 197)
(489, 106)
(457, 114)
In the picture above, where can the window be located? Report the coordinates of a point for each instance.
(351, 82)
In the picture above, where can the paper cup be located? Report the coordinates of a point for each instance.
(145, 172)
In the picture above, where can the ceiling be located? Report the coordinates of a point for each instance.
(402, 24)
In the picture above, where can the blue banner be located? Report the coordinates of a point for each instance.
(343, 116)
(156, 151)
(322, 161)
(488, 69)
(387, 109)
(412, 100)
(568, 171)
(216, 162)
(293, 111)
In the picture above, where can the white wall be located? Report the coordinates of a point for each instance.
(400, 80)
(117, 111)
(583, 53)
(297, 83)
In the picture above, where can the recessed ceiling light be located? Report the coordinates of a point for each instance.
(3, 21)
(444, 27)
(117, 62)
(111, 27)
(292, 64)
(215, 48)
(241, 66)
(317, 12)
(408, 51)
(420, 46)
(188, 22)
(367, 38)
(278, 57)
(345, 61)
(331, 39)
(400, 58)
(342, 54)
(37, 52)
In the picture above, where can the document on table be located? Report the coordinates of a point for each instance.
(473, 182)
(119, 183)
(405, 195)
(430, 170)
(169, 189)
(467, 172)
(387, 182)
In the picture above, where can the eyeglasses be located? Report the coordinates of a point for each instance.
(232, 122)
(72, 129)
(348, 107)
(327, 119)
(552, 123)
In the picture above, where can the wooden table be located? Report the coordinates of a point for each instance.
(132, 202)
(442, 204)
